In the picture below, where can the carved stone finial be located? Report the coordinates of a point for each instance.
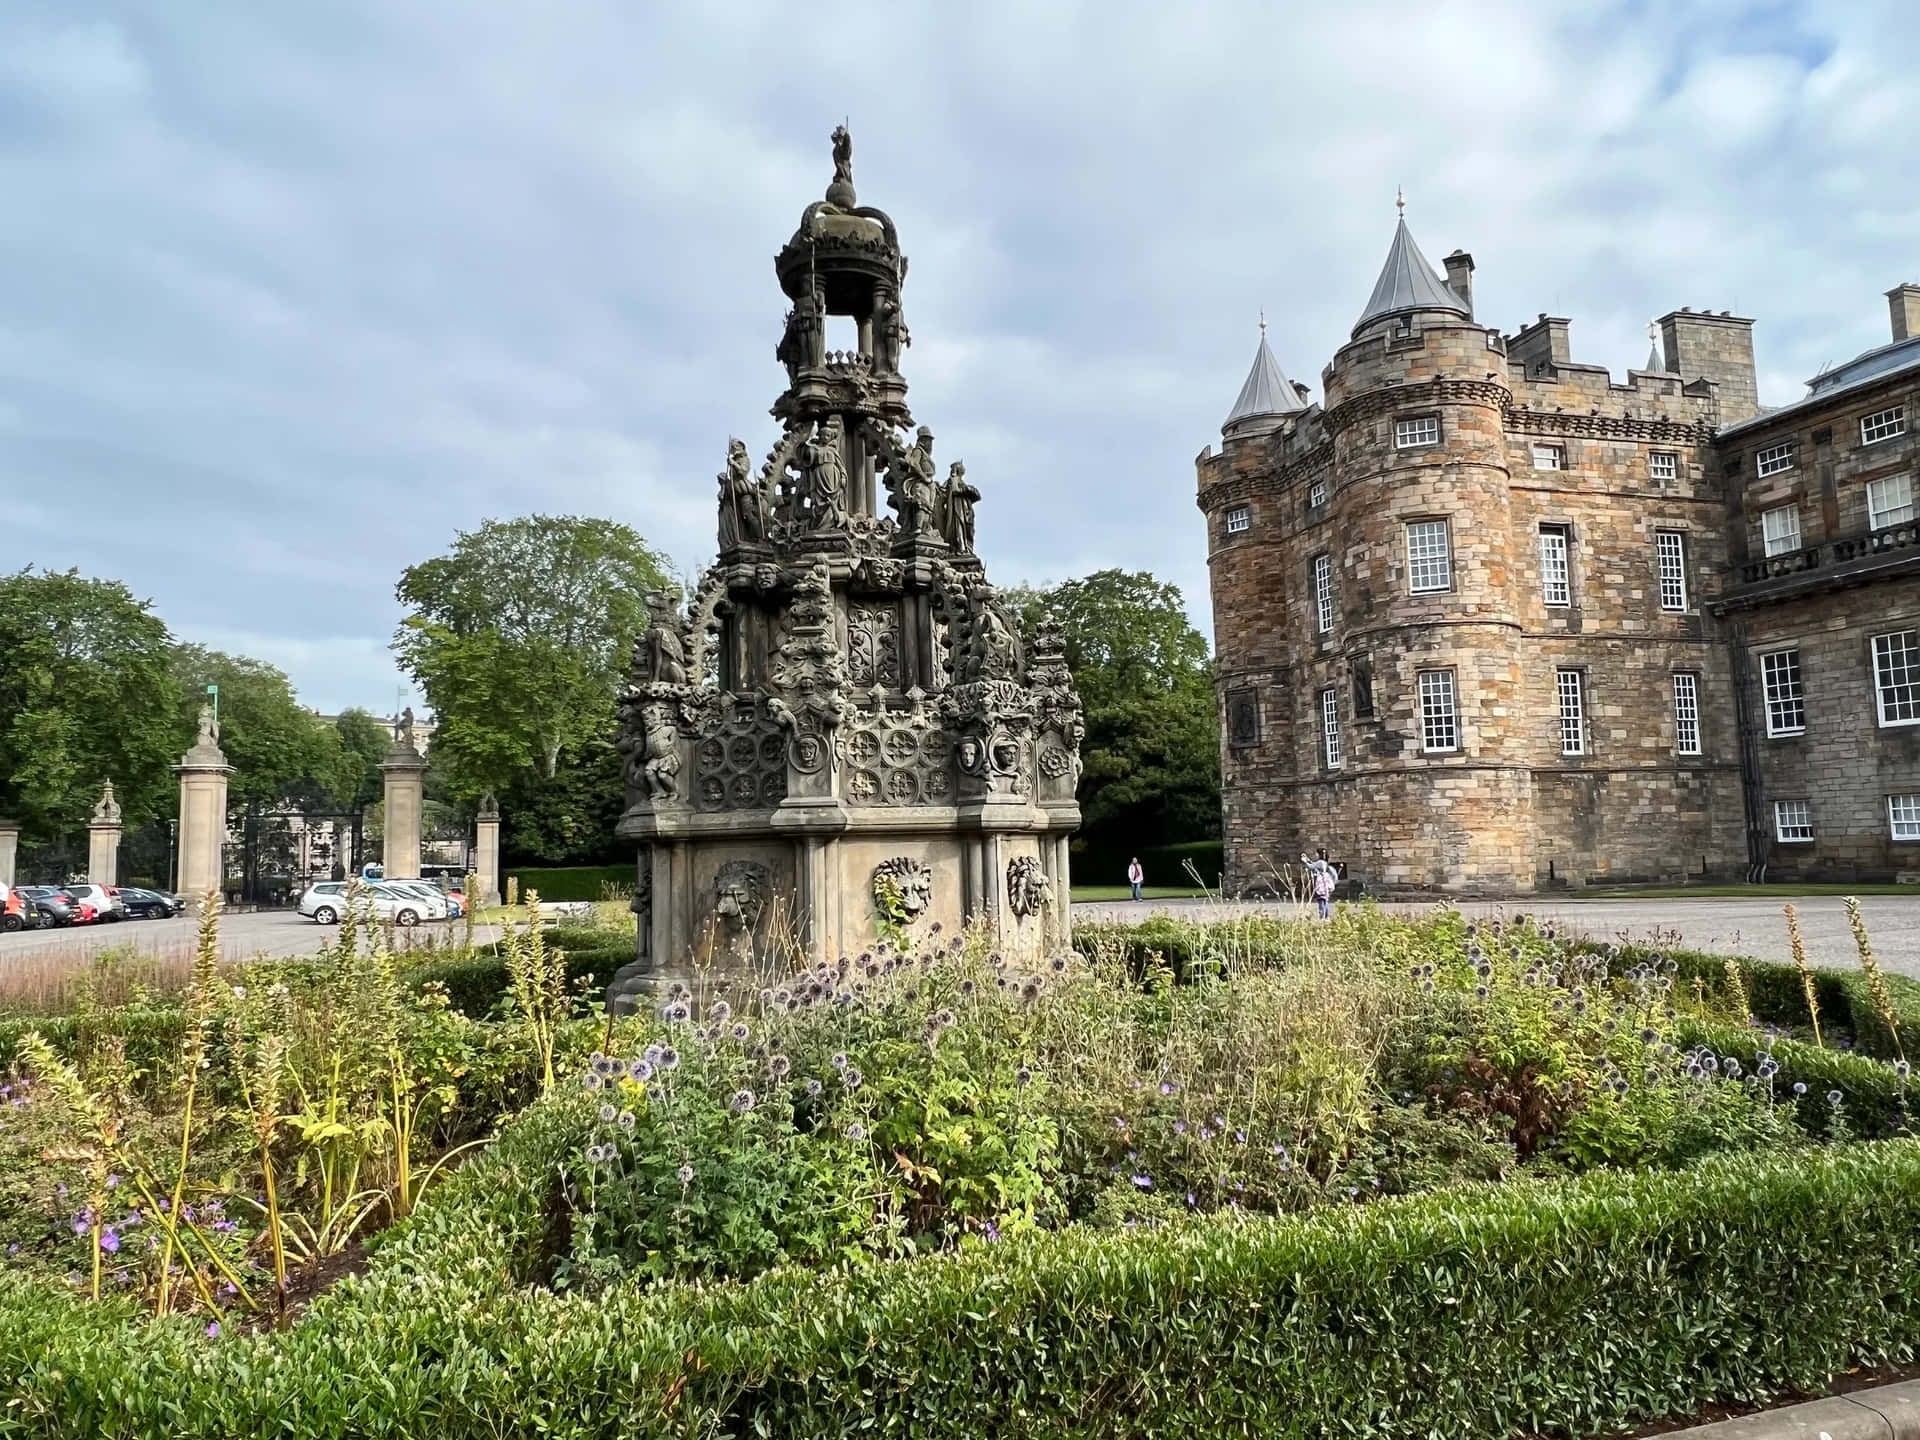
(840, 192)
(107, 812)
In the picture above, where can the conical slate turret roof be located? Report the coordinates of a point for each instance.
(1407, 282)
(1268, 394)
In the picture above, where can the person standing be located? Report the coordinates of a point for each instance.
(1321, 882)
(1135, 875)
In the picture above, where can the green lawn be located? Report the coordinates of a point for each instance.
(1084, 894)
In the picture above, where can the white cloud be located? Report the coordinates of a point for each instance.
(292, 296)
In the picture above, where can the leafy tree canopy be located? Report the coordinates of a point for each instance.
(519, 637)
(86, 696)
(1152, 750)
(278, 748)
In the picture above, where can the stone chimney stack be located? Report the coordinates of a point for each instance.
(1903, 301)
(1460, 277)
(1700, 345)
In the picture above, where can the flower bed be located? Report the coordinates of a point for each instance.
(1381, 1175)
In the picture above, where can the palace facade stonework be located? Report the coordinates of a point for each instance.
(1488, 621)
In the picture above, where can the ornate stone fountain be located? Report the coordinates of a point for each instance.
(845, 716)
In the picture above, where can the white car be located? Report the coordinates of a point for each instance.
(383, 900)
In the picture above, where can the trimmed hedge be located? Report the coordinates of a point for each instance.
(1775, 995)
(1575, 1306)
(573, 882)
(475, 986)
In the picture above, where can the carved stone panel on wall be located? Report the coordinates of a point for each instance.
(1243, 718)
(897, 757)
(740, 762)
(873, 646)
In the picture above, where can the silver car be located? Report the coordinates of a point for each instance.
(327, 901)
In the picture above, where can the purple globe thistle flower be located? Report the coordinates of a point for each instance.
(1799, 1087)
(766, 994)
(743, 1101)
(779, 1066)
(1022, 1076)
(607, 1113)
(1834, 1097)
(851, 1078)
(594, 1058)
(641, 1071)
(1902, 1069)
(719, 1012)
(1030, 991)
(669, 1058)
(627, 1122)
(652, 1053)
(686, 1174)
(856, 1131)
(997, 960)
(840, 1061)
(1058, 964)
(944, 1018)
(740, 1032)
(967, 987)
(814, 1087)
(592, 1081)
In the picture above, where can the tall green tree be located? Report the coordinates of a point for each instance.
(355, 744)
(519, 637)
(1151, 755)
(277, 747)
(86, 695)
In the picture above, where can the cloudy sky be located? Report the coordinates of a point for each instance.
(291, 292)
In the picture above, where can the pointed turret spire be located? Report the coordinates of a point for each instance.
(1656, 362)
(1266, 397)
(1407, 282)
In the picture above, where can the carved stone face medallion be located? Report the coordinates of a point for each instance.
(739, 895)
(1027, 886)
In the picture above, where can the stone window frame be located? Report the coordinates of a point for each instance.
(1320, 579)
(1549, 562)
(1769, 540)
(1880, 516)
(1549, 455)
(1444, 554)
(1686, 713)
(1331, 749)
(1570, 689)
(1903, 810)
(1416, 432)
(1239, 519)
(1774, 460)
(1439, 699)
(1663, 464)
(1793, 822)
(1896, 675)
(1783, 692)
(1882, 425)
(1317, 492)
(1676, 573)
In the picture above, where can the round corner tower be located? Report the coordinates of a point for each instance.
(1366, 625)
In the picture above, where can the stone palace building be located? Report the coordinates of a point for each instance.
(1488, 621)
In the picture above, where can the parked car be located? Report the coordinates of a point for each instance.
(56, 907)
(456, 904)
(325, 902)
(386, 900)
(149, 904)
(103, 901)
(17, 911)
